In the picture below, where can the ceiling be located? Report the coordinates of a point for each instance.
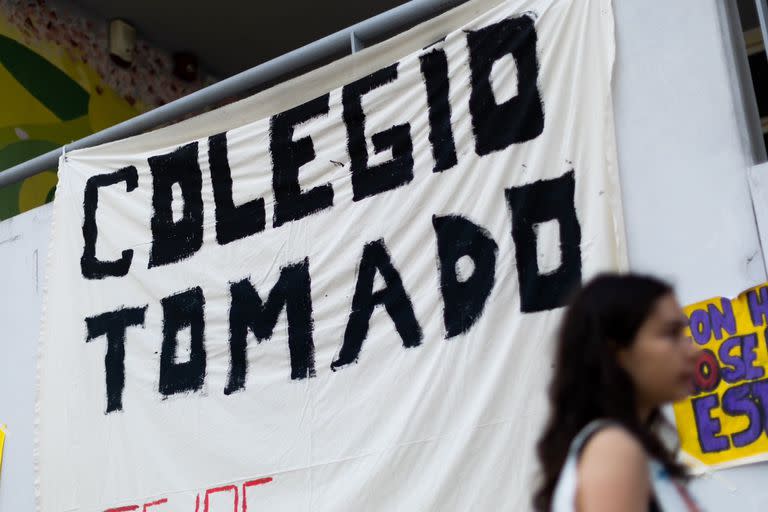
(229, 36)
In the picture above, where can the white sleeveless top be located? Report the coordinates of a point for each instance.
(670, 495)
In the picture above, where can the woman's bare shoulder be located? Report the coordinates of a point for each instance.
(612, 442)
(613, 472)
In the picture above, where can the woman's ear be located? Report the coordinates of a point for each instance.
(621, 353)
(622, 358)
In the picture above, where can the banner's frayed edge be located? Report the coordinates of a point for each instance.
(57, 201)
(611, 152)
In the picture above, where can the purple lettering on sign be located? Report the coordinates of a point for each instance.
(760, 396)
(737, 401)
(700, 327)
(748, 347)
(708, 427)
(758, 306)
(722, 320)
(732, 369)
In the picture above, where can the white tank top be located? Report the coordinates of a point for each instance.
(670, 495)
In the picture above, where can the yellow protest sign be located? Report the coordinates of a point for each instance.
(2, 442)
(725, 421)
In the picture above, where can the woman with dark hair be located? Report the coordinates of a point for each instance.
(621, 354)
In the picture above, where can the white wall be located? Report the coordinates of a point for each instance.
(23, 246)
(682, 159)
(684, 174)
(688, 212)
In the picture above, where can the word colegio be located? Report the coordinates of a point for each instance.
(495, 127)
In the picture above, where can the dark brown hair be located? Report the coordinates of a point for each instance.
(588, 383)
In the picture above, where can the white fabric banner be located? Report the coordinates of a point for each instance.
(344, 303)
